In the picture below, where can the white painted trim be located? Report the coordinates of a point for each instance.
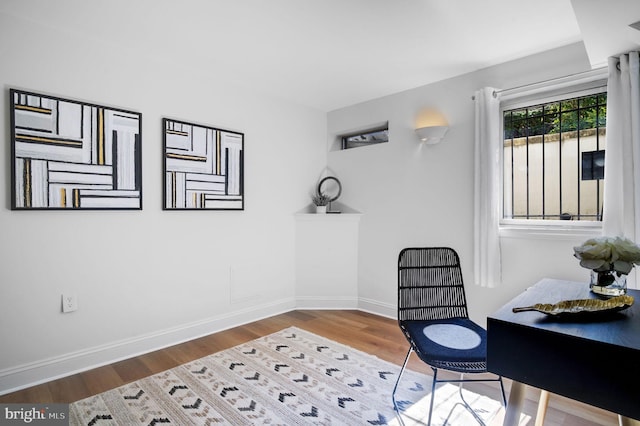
(321, 302)
(328, 217)
(375, 307)
(31, 374)
(550, 230)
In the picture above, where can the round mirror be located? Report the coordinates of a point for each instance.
(331, 187)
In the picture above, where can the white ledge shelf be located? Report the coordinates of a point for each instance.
(310, 210)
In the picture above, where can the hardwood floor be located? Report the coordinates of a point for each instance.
(369, 333)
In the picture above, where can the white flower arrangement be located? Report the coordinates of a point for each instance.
(608, 254)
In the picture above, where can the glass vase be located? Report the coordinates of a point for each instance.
(608, 283)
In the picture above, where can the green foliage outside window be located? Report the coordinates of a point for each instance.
(587, 112)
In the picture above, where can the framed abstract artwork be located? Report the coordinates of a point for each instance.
(203, 167)
(68, 154)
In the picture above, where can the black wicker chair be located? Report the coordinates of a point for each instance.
(432, 314)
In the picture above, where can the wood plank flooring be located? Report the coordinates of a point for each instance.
(367, 332)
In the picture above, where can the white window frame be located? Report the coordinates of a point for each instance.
(569, 87)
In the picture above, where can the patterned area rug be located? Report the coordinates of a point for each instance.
(291, 377)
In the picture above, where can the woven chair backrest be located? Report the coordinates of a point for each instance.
(430, 285)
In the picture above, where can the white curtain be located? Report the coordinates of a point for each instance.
(487, 258)
(621, 216)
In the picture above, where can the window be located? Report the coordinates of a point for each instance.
(553, 158)
(366, 137)
(593, 165)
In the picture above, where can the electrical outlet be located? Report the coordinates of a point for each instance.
(69, 303)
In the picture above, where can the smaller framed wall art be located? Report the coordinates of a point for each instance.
(203, 167)
(68, 154)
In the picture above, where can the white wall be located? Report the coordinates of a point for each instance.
(145, 278)
(149, 278)
(413, 194)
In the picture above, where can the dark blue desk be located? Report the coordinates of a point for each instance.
(593, 361)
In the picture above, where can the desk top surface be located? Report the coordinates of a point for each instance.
(617, 328)
(586, 354)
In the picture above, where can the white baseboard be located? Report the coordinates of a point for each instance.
(366, 305)
(378, 308)
(27, 375)
(318, 302)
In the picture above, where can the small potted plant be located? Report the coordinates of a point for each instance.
(321, 200)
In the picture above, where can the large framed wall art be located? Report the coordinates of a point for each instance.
(203, 167)
(68, 154)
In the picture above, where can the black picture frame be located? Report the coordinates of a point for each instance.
(72, 155)
(203, 167)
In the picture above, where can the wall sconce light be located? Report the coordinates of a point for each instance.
(431, 134)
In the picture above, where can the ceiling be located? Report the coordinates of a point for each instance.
(327, 54)
(605, 27)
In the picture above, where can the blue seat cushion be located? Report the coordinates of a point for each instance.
(449, 340)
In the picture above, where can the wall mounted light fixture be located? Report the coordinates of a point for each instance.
(431, 134)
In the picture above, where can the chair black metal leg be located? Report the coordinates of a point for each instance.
(466, 404)
(433, 393)
(393, 394)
